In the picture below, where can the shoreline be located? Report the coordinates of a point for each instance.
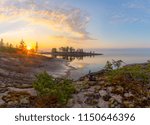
(17, 76)
(99, 92)
(67, 66)
(17, 73)
(72, 54)
(103, 70)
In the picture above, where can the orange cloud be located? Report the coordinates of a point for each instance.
(72, 22)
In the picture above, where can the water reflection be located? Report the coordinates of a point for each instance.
(84, 64)
(98, 62)
(72, 58)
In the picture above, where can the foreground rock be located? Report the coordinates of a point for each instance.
(17, 73)
(101, 94)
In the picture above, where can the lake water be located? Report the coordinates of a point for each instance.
(96, 63)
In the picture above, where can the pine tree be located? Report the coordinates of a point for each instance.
(36, 47)
(1, 43)
(22, 46)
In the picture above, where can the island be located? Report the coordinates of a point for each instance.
(70, 51)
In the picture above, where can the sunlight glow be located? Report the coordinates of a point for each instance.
(29, 47)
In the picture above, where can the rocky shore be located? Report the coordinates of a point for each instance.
(17, 73)
(99, 93)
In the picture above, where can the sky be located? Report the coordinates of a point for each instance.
(77, 23)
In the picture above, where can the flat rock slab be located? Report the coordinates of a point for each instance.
(2, 102)
(103, 104)
(31, 91)
(3, 90)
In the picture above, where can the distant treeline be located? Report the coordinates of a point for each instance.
(22, 47)
(67, 50)
(7, 46)
(70, 52)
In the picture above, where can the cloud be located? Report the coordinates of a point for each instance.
(68, 20)
(132, 11)
(120, 18)
(134, 5)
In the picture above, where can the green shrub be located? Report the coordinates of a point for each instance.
(108, 66)
(113, 65)
(47, 85)
(129, 74)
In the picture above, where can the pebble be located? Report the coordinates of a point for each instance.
(106, 97)
(70, 102)
(77, 105)
(118, 98)
(24, 100)
(92, 83)
(102, 82)
(2, 85)
(2, 102)
(128, 94)
(103, 93)
(12, 103)
(102, 103)
(109, 89)
(113, 103)
(128, 104)
(91, 101)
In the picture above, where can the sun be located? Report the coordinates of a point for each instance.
(29, 47)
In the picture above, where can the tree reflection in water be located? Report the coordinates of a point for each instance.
(71, 58)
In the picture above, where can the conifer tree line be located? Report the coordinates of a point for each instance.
(21, 47)
(67, 49)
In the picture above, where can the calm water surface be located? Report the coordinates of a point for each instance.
(83, 66)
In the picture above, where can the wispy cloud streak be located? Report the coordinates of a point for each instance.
(70, 21)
